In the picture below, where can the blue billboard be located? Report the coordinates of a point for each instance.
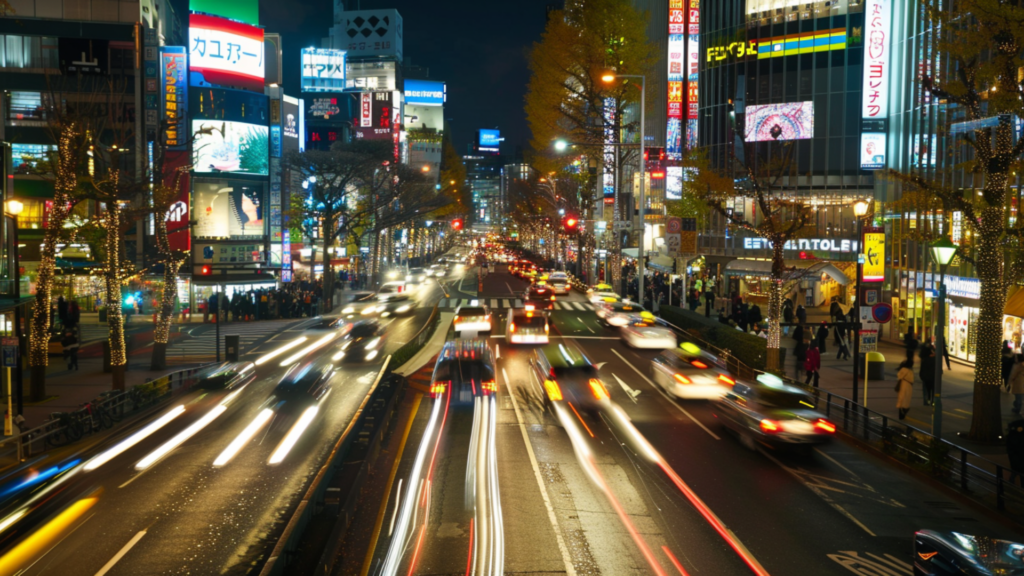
(425, 92)
(489, 138)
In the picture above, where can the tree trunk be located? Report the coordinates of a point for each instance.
(39, 337)
(159, 359)
(162, 330)
(986, 422)
(118, 356)
(775, 305)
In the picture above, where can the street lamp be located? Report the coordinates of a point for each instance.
(860, 210)
(608, 78)
(943, 250)
(561, 145)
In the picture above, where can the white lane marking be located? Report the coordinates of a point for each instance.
(625, 388)
(497, 351)
(570, 570)
(578, 306)
(585, 325)
(887, 566)
(398, 494)
(836, 462)
(494, 302)
(510, 290)
(504, 303)
(117, 557)
(821, 493)
(670, 400)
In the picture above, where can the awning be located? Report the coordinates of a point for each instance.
(215, 279)
(662, 264)
(743, 267)
(631, 252)
(1014, 302)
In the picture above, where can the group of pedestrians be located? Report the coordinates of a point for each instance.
(292, 300)
(929, 371)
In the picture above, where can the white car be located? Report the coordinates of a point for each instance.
(684, 375)
(472, 319)
(652, 337)
(598, 297)
(526, 327)
(621, 313)
(559, 282)
(416, 275)
(389, 288)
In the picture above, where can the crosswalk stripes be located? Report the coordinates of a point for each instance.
(503, 303)
(205, 344)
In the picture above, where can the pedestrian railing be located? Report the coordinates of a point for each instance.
(990, 483)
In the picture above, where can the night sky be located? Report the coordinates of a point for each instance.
(479, 47)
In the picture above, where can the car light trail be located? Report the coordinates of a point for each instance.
(242, 439)
(675, 561)
(307, 350)
(180, 439)
(25, 553)
(293, 435)
(271, 355)
(35, 477)
(134, 439)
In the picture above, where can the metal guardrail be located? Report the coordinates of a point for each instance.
(963, 470)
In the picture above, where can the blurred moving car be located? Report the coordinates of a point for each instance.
(362, 305)
(396, 287)
(599, 297)
(526, 327)
(955, 554)
(692, 376)
(304, 384)
(362, 343)
(464, 368)
(439, 270)
(416, 275)
(774, 414)
(540, 297)
(567, 374)
(396, 305)
(473, 318)
(619, 313)
(225, 376)
(651, 337)
(559, 282)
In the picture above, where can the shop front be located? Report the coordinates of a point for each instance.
(806, 283)
(962, 312)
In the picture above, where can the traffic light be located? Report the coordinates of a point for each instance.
(570, 224)
(205, 270)
(457, 224)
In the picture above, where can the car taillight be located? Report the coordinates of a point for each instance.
(552, 297)
(545, 327)
(771, 426)
(512, 327)
(490, 386)
(699, 364)
(554, 392)
(438, 388)
(682, 379)
(598, 389)
(726, 379)
(822, 425)
(456, 319)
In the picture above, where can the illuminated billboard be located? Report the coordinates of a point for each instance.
(174, 88)
(692, 67)
(488, 140)
(371, 32)
(674, 183)
(322, 107)
(323, 70)
(247, 11)
(872, 150)
(236, 147)
(608, 152)
(877, 17)
(378, 115)
(770, 122)
(425, 92)
(225, 53)
(228, 209)
(676, 79)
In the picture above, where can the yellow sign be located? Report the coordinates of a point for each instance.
(874, 257)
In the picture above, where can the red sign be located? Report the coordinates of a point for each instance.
(366, 110)
(177, 218)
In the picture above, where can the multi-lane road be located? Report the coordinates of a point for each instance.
(651, 485)
(196, 488)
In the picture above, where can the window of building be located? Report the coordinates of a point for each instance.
(27, 157)
(27, 51)
(26, 106)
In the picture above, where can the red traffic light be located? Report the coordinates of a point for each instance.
(457, 224)
(205, 270)
(570, 224)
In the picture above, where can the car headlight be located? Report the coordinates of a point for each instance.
(371, 355)
(372, 343)
(403, 308)
(348, 310)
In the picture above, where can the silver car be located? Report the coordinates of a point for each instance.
(526, 327)
(773, 414)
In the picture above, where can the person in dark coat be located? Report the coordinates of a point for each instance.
(69, 343)
(801, 314)
(1008, 360)
(787, 317)
(927, 373)
(800, 351)
(798, 333)
(911, 343)
(843, 353)
(822, 337)
(62, 311)
(755, 314)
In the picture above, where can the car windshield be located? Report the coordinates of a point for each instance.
(529, 321)
(783, 399)
(362, 331)
(460, 371)
(472, 311)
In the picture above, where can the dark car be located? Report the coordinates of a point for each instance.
(304, 384)
(362, 343)
(225, 376)
(567, 374)
(540, 297)
(465, 369)
(774, 414)
(955, 554)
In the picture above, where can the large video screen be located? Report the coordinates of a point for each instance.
(769, 122)
(228, 209)
(425, 92)
(231, 147)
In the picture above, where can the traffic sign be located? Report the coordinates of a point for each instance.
(868, 340)
(674, 225)
(621, 225)
(10, 351)
(882, 312)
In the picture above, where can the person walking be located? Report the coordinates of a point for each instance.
(787, 317)
(927, 373)
(905, 386)
(822, 337)
(911, 343)
(800, 352)
(1008, 360)
(843, 353)
(813, 364)
(70, 345)
(1017, 383)
(801, 314)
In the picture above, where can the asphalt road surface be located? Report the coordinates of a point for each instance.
(203, 492)
(649, 485)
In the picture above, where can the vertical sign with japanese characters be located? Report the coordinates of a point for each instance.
(877, 21)
(174, 89)
(676, 78)
(692, 67)
(608, 155)
(366, 110)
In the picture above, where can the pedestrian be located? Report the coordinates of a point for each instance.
(74, 315)
(843, 353)
(1015, 450)
(801, 314)
(927, 373)
(813, 363)
(1017, 383)
(70, 345)
(755, 314)
(911, 344)
(822, 337)
(798, 333)
(800, 352)
(1008, 360)
(62, 310)
(787, 317)
(905, 386)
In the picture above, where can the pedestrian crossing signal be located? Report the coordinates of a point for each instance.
(205, 270)
(457, 224)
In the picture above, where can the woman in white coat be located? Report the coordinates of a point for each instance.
(904, 386)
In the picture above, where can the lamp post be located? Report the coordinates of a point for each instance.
(943, 250)
(607, 78)
(14, 208)
(860, 209)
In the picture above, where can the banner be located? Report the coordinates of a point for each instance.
(873, 269)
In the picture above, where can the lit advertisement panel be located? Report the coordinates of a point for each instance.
(322, 107)
(676, 79)
(608, 153)
(877, 19)
(769, 122)
(872, 150)
(225, 53)
(378, 115)
(174, 88)
(425, 92)
(692, 67)
(488, 140)
(178, 215)
(224, 146)
(676, 17)
(323, 70)
(228, 209)
(674, 183)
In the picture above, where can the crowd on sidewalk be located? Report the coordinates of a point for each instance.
(293, 300)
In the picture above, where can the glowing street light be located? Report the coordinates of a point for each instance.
(561, 145)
